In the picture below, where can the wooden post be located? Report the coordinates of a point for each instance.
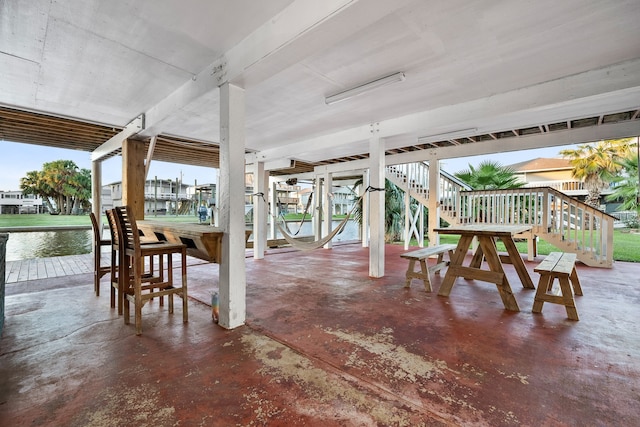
(133, 176)
(96, 191)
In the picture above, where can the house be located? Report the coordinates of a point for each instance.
(556, 173)
(161, 196)
(15, 202)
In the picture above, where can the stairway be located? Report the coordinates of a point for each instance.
(563, 221)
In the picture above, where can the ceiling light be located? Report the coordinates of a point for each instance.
(460, 133)
(358, 90)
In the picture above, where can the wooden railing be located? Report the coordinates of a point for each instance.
(414, 178)
(562, 220)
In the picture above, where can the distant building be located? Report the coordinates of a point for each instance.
(161, 197)
(14, 202)
(556, 173)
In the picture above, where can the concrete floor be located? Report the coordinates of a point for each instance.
(325, 345)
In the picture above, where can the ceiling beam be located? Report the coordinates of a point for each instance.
(115, 143)
(520, 143)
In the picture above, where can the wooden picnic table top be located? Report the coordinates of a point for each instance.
(485, 229)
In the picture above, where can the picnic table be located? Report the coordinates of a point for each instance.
(487, 235)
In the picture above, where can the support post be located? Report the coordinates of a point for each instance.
(133, 177)
(364, 229)
(327, 217)
(233, 283)
(274, 209)
(376, 218)
(261, 179)
(96, 191)
(317, 211)
(407, 219)
(434, 200)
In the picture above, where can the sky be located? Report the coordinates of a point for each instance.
(18, 159)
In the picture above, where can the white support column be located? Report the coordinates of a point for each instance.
(317, 211)
(327, 202)
(233, 283)
(421, 219)
(96, 190)
(434, 200)
(407, 219)
(376, 217)
(364, 230)
(273, 200)
(261, 179)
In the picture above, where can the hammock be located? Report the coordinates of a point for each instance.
(307, 246)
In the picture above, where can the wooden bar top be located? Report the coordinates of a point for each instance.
(203, 241)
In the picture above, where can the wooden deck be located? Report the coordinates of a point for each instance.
(43, 268)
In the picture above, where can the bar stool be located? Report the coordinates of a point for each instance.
(98, 242)
(118, 259)
(132, 272)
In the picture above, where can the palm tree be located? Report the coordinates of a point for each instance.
(60, 181)
(393, 210)
(490, 175)
(597, 165)
(627, 185)
(34, 184)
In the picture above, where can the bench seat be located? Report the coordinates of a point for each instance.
(561, 266)
(421, 255)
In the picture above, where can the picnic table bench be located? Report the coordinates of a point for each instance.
(422, 255)
(561, 266)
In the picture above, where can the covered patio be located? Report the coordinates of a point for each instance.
(320, 90)
(324, 345)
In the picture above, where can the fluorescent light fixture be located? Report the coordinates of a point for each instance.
(358, 90)
(279, 164)
(448, 135)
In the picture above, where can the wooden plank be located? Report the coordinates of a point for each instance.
(427, 252)
(41, 270)
(490, 230)
(23, 275)
(13, 272)
(476, 274)
(548, 263)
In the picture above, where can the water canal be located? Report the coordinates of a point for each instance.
(43, 244)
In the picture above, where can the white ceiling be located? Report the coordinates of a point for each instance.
(472, 66)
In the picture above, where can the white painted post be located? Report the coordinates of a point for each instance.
(261, 179)
(407, 219)
(274, 209)
(233, 283)
(434, 200)
(364, 229)
(317, 211)
(328, 207)
(376, 218)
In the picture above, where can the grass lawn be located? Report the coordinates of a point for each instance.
(31, 220)
(626, 245)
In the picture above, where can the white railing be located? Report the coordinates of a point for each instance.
(414, 178)
(561, 219)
